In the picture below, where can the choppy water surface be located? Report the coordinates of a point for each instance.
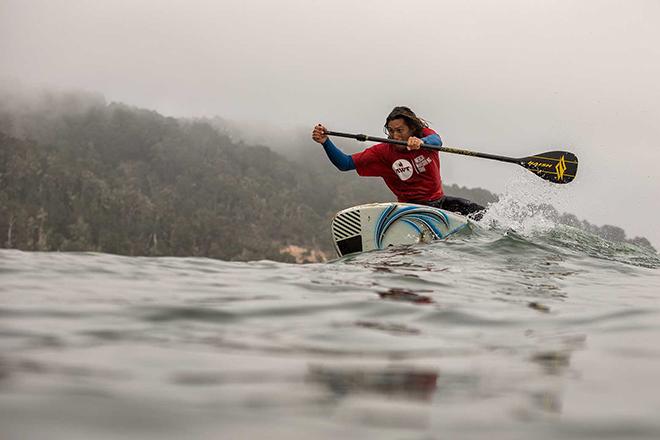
(553, 334)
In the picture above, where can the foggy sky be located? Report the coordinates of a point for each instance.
(506, 77)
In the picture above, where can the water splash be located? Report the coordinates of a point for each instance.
(529, 209)
(527, 206)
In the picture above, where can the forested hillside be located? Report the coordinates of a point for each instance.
(122, 180)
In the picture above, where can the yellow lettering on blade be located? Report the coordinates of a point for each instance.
(531, 163)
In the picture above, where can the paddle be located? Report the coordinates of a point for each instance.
(553, 166)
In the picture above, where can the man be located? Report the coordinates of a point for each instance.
(410, 172)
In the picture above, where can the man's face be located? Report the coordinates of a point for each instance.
(398, 130)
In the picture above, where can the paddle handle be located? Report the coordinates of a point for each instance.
(364, 138)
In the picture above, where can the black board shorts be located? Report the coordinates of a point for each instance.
(457, 204)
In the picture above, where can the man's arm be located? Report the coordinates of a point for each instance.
(341, 160)
(433, 139)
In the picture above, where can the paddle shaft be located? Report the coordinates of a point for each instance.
(553, 166)
(364, 137)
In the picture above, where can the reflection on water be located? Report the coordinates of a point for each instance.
(405, 295)
(395, 382)
(386, 398)
(390, 327)
(553, 362)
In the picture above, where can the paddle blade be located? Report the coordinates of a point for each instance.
(554, 166)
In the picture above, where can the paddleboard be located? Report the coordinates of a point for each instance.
(375, 226)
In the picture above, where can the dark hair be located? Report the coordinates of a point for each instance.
(414, 122)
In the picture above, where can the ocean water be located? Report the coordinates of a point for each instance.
(544, 333)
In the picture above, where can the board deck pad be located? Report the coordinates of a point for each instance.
(375, 226)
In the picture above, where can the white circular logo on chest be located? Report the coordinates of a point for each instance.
(403, 169)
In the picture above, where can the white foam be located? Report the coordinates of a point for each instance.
(528, 205)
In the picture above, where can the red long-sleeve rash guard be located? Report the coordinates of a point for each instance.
(412, 175)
